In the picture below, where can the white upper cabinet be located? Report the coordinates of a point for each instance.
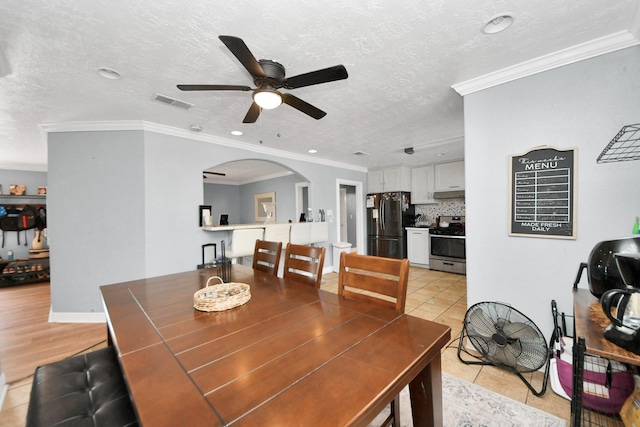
(375, 181)
(422, 185)
(389, 179)
(449, 176)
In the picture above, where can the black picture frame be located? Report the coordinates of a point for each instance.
(201, 213)
(542, 185)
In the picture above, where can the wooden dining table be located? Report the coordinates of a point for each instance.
(293, 355)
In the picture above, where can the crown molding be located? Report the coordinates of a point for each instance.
(25, 167)
(130, 125)
(591, 49)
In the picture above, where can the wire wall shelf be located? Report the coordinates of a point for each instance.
(623, 147)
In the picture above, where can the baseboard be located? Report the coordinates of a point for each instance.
(5, 389)
(58, 317)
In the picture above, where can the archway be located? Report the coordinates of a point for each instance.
(231, 188)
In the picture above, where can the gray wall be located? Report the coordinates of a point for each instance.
(582, 105)
(141, 189)
(224, 199)
(96, 212)
(284, 187)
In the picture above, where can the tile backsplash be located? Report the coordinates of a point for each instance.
(445, 207)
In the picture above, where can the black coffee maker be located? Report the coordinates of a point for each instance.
(625, 323)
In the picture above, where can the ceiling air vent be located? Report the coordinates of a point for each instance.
(171, 101)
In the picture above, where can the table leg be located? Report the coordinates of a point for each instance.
(426, 395)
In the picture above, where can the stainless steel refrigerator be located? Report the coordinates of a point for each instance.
(387, 216)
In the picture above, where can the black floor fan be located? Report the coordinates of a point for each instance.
(505, 338)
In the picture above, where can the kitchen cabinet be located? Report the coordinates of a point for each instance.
(418, 246)
(389, 179)
(422, 185)
(449, 176)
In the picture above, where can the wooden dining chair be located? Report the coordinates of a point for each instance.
(379, 280)
(266, 256)
(304, 263)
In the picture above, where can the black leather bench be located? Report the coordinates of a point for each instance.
(85, 390)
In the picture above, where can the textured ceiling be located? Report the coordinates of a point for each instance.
(402, 58)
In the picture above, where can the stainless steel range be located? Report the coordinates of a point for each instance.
(447, 245)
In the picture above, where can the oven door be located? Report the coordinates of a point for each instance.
(443, 246)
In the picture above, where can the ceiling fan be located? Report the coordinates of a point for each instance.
(269, 76)
(213, 173)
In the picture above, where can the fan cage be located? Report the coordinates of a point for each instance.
(506, 338)
(527, 352)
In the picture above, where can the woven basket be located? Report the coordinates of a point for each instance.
(221, 297)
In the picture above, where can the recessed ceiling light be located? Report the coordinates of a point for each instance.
(108, 73)
(236, 132)
(498, 23)
(312, 151)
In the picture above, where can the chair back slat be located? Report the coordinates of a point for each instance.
(379, 280)
(266, 256)
(304, 263)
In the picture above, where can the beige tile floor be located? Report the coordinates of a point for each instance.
(432, 295)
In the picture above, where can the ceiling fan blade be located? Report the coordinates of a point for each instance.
(213, 87)
(326, 75)
(244, 55)
(303, 106)
(215, 173)
(252, 114)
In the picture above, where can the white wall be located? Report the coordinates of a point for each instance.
(582, 105)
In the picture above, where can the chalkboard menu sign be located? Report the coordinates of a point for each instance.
(542, 188)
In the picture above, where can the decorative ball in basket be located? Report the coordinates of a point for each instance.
(223, 296)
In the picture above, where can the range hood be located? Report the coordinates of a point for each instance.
(457, 194)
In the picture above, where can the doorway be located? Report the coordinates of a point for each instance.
(302, 199)
(350, 216)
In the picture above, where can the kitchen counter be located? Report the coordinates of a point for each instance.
(301, 233)
(235, 226)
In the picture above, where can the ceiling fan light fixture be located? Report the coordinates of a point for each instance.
(498, 23)
(267, 99)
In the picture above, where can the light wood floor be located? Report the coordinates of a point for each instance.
(28, 340)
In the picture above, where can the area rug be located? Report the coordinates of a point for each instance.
(468, 405)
